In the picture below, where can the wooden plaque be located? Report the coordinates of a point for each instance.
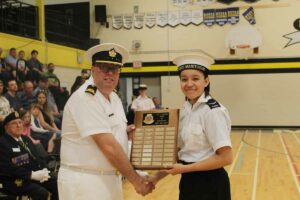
(154, 143)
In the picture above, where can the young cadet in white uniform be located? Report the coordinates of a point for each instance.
(142, 102)
(204, 136)
(94, 134)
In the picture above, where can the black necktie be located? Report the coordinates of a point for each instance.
(24, 146)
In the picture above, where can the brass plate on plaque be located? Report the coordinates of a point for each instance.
(154, 142)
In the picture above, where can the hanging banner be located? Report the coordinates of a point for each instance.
(185, 17)
(138, 21)
(173, 18)
(221, 16)
(204, 2)
(197, 17)
(209, 16)
(127, 21)
(150, 20)
(181, 2)
(117, 21)
(162, 19)
(233, 15)
(249, 15)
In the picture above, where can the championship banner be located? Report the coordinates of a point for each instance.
(162, 19)
(221, 16)
(127, 21)
(249, 15)
(197, 17)
(181, 2)
(150, 20)
(209, 16)
(204, 2)
(173, 18)
(185, 17)
(233, 15)
(138, 21)
(117, 21)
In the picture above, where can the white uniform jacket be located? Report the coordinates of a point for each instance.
(203, 128)
(86, 114)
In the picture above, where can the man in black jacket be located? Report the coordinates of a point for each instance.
(22, 171)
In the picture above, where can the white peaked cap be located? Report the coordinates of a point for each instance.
(106, 47)
(199, 62)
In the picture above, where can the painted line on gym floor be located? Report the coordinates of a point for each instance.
(293, 166)
(236, 156)
(254, 186)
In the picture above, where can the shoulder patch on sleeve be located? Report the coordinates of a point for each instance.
(212, 103)
(91, 89)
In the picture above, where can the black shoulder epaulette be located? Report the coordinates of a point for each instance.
(213, 104)
(91, 89)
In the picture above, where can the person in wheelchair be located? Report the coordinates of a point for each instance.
(22, 170)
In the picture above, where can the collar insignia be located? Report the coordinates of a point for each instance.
(91, 89)
(112, 53)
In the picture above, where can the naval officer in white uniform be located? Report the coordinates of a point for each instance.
(94, 134)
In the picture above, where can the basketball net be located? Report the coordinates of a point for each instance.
(243, 51)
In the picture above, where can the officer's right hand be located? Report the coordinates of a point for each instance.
(144, 187)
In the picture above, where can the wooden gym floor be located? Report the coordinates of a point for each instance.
(266, 166)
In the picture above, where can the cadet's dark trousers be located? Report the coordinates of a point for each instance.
(205, 185)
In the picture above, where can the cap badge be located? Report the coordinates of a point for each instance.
(112, 53)
(17, 115)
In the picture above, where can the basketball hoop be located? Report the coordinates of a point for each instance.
(243, 51)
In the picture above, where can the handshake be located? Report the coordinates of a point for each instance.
(146, 184)
(40, 175)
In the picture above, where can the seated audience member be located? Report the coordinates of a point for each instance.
(4, 104)
(35, 67)
(156, 102)
(11, 95)
(51, 118)
(2, 66)
(26, 118)
(77, 83)
(37, 131)
(21, 67)
(11, 60)
(26, 96)
(9, 65)
(22, 171)
(60, 94)
(43, 85)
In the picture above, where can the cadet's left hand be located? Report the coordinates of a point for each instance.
(174, 169)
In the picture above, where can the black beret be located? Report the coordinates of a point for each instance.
(12, 116)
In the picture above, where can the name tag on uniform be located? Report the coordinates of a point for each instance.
(16, 149)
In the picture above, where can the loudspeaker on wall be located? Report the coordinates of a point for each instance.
(100, 13)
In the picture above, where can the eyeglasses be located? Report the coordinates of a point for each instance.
(107, 68)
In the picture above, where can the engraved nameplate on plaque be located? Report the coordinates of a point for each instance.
(154, 143)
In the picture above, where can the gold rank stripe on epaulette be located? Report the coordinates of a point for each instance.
(213, 104)
(91, 89)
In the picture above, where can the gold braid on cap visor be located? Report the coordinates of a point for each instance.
(110, 62)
